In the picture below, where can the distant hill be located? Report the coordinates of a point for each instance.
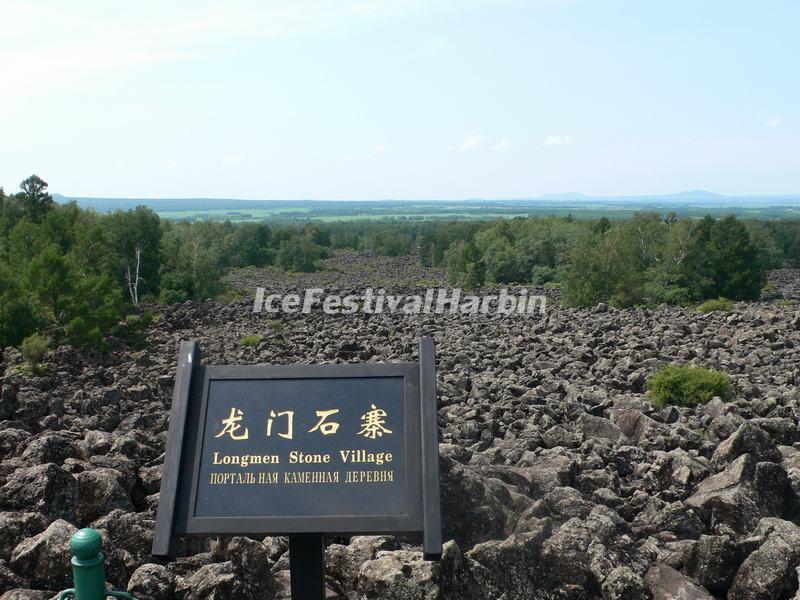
(692, 203)
(696, 195)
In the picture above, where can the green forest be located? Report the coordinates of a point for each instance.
(78, 276)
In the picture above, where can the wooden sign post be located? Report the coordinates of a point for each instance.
(303, 451)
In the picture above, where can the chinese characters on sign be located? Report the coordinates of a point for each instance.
(373, 424)
(231, 426)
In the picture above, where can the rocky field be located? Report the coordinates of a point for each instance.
(560, 480)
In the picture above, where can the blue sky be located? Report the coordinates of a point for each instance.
(360, 99)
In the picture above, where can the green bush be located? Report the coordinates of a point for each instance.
(34, 348)
(720, 304)
(250, 340)
(685, 385)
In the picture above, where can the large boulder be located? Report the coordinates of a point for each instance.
(592, 427)
(665, 583)
(16, 526)
(769, 571)
(747, 439)
(343, 562)
(131, 533)
(714, 562)
(26, 594)
(45, 558)
(50, 447)
(582, 553)
(48, 489)
(404, 575)
(401, 575)
(474, 509)
(624, 584)
(743, 493)
(153, 582)
(245, 575)
(101, 491)
(512, 567)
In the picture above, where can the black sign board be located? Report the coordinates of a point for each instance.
(301, 449)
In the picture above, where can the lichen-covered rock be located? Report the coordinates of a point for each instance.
(512, 567)
(343, 562)
(623, 584)
(769, 571)
(743, 493)
(665, 583)
(152, 582)
(714, 562)
(26, 594)
(45, 558)
(404, 575)
(129, 532)
(747, 439)
(100, 493)
(15, 526)
(47, 488)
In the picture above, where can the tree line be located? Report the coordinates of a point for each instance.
(79, 276)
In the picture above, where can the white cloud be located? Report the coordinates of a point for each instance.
(773, 122)
(378, 148)
(558, 139)
(472, 142)
(502, 145)
(232, 159)
(170, 164)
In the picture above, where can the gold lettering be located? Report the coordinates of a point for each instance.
(231, 426)
(289, 414)
(374, 423)
(383, 476)
(326, 428)
(245, 460)
(296, 456)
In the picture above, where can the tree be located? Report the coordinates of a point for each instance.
(463, 265)
(52, 281)
(17, 318)
(604, 268)
(602, 225)
(97, 307)
(191, 264)
(251, 245)
(135, 239)
(298, 254)
(739, 272)
(36, 202)
(723, 261)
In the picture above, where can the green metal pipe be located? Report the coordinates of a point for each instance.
(88, 569)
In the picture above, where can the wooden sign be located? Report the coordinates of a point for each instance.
(301, 449)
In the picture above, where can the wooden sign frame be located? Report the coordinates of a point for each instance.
(179, 481)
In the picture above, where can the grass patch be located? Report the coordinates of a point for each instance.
(788, 302)
(250, 341)
(685, 386)
(275, 326)
(720, 304)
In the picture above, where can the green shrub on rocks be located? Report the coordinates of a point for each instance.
(685, 385)
(250, 340)
(720, 304)
(33, 349)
